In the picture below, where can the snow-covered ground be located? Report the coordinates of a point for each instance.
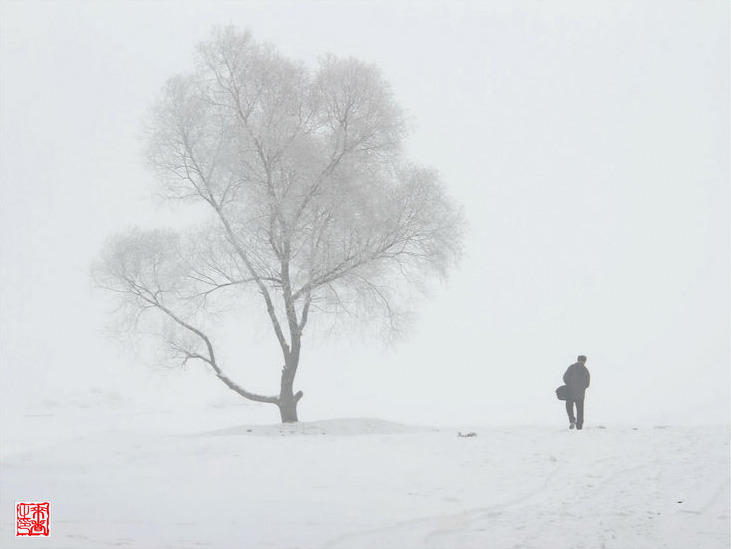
(202, 480)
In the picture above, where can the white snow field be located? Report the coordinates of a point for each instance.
(176, 481)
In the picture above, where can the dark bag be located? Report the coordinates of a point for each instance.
(562, 392)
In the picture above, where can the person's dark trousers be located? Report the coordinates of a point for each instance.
(579, 418)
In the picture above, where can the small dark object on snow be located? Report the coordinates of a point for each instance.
(466, 435)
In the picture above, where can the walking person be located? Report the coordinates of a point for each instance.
(576, 379)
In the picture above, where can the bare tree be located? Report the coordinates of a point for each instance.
(313, 206)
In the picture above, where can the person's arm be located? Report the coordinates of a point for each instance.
(566, 376)
(588, 378)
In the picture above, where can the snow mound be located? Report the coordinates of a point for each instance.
(336, 427)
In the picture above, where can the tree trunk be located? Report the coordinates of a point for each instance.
(287, 398)
(288, 408)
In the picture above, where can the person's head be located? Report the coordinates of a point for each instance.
(581, 359)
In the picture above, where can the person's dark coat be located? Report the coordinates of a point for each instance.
(577, 380)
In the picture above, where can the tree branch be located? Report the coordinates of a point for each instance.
(211, 359)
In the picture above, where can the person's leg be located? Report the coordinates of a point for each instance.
(580, 414)
(570, 412)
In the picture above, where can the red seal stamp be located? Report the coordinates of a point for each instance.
(32, 519)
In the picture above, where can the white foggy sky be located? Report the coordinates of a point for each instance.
(588, 143)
